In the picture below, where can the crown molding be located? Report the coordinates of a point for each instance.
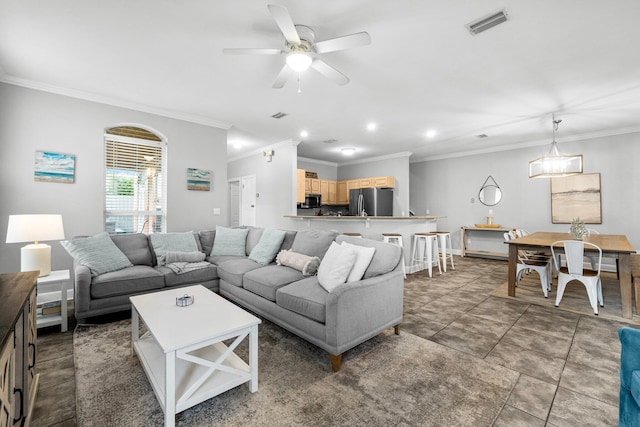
(286, 142)
(528, 144)
(378, 158)
(318, 162)
(115, 102)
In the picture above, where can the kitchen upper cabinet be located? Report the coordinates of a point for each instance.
(342, 195)
(312, 186)
(300, 175)
(352, 184)
(333, 199)
(384, 182)
(324, 191)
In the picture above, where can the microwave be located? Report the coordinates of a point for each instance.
(312, 201)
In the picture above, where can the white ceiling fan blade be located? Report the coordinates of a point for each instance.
(283, 76)
(328, 71)
(285, 23)
(344, 42)
(250, 51)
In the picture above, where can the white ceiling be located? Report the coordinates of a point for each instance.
(423, 70)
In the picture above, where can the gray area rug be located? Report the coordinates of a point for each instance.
(389, 380)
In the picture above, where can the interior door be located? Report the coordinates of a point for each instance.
(234, 203)
(248, 197)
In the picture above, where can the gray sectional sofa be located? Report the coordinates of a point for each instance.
(334, 321)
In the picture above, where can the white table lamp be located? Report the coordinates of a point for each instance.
(34, 228)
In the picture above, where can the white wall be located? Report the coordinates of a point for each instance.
(446, 187)
(325, 170)
(33, 120)
(397, 166)
(275, 182)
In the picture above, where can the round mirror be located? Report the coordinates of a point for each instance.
(490, 195)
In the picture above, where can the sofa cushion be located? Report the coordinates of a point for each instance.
(233, 270)
(135, 247)
(98, 253)
(230, 241)
(206, 240)
(305, 297)
(267, 248)
(267, 280)
(195, 276)
(289, 237)
(253, 237)
(364, 255)
(219, 259)
(136, 279)
(175, 242)
(313, 242)
(385, 259)
(336, 266)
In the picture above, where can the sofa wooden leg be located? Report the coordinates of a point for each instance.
(396, 329)
(336, 361)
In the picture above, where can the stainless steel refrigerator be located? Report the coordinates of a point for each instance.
(373, 201)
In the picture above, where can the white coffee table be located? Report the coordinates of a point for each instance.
(183, 354)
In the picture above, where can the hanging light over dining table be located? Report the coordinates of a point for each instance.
(555, 164)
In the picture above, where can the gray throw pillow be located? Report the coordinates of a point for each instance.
(267, 248)
(98, 253)
(230, 241)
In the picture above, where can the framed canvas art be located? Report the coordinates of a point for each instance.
(576, 196)
(198, 179)
(54, 167)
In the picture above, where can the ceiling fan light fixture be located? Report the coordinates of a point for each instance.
(298, 61)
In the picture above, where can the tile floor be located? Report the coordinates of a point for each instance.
(568, 362)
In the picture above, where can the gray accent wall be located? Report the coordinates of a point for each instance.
(324, 170)
(32, 120)
(446, 187)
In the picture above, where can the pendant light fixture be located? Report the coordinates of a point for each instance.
(555, 164)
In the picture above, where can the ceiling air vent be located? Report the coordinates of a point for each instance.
(330, 141)
(483, 24)
(482, 135)
(279, 115)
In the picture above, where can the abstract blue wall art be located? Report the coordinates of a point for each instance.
(199, 180)
(54, 167)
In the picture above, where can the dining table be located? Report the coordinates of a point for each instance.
(613, 246)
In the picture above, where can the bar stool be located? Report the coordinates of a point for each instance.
(444, 241)
(396, 239)
(428, 255)
(353, 234)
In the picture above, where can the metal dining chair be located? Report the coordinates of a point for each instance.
(574, 253)
(542, 266)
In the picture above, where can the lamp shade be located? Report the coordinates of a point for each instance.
(33, 228)
(298, 61)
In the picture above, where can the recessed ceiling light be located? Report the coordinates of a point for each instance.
(237, 145)
(304, 134)
(431, 133)
(371, 126)
(348, 151)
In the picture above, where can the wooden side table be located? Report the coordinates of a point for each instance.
(54, 287)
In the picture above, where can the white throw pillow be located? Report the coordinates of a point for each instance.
(364, 255)
(336, 266)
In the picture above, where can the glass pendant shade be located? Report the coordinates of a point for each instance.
(555, 164)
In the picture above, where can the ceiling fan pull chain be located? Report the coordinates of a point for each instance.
(299, 89)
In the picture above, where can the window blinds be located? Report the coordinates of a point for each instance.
(134, 185)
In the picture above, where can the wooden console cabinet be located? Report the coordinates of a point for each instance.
(18, 328)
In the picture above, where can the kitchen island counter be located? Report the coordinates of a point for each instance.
(371, 227)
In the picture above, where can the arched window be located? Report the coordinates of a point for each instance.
(135, 181)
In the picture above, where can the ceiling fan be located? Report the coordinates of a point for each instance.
(302, 50)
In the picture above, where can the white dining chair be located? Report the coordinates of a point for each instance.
(574, 251)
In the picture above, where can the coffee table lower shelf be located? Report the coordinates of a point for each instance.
(201, 371)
